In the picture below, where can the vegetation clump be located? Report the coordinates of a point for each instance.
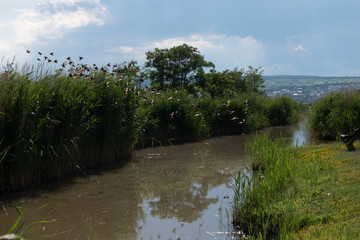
(298, 193)
(336, 114)
(50, 126)
(256, 211)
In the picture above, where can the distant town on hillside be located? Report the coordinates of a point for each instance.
(308, 89)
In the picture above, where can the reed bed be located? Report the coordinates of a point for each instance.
(254, 191)
(53, 125)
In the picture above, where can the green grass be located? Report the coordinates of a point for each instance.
(301, 193)
(24, 228)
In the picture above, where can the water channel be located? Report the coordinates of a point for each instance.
(174, 192)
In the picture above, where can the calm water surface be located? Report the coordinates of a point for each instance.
(176, 192)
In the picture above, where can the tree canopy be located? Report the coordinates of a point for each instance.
(232, 82)
(175, 67)
(184, 67)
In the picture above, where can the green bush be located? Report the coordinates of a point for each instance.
(224, 115)
(335, 114)
(179, 116)
(257, 112)
(170, 116)
(241, 113)
(283, 111)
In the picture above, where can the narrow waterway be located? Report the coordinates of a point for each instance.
(175, 192)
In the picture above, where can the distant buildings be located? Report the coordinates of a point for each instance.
(308, 89)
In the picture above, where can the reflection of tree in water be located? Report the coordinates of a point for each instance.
(186, 206)
(181, 191)
(296, 135)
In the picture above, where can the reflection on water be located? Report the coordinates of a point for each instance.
(295, 135)
(181, 191)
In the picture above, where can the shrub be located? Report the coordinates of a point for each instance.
(170, 116)
(335, 114)
(283, 111)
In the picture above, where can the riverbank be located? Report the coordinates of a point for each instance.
(300, 193)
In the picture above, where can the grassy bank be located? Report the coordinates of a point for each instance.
(299, 193)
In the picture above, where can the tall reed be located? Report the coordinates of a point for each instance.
(54, 124)
(273, 167)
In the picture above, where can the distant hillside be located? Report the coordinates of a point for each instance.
(308, 89)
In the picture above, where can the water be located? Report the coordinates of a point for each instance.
(175, 192)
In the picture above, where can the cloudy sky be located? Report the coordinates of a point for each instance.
(308, 37)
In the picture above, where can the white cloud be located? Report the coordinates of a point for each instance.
(224, 51)
(53, 19)
(126, 49)
(300, 48)
(296, 43)
(196, 40)
(71, 2)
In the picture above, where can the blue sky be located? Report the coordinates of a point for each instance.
(306, 37)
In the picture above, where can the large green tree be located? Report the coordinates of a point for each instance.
(217, 84)
(239, 81)
(175, 67)
(249, 81)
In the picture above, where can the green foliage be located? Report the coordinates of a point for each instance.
(23, 228)
(236, 115)
(217, 84)
(183, 67)
(257, 112)
(130, 70)
(51, 126)
(178, 116)
(255, 193)
(224, 115)
(229, 83)
(16, 223)
(283, 111)
(335, 114)
(250, 81)
(298, 193)
(175, 67)
(170, 116)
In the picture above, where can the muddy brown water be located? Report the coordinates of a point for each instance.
(175, 192)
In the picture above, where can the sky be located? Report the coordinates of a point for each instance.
(308, 37)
